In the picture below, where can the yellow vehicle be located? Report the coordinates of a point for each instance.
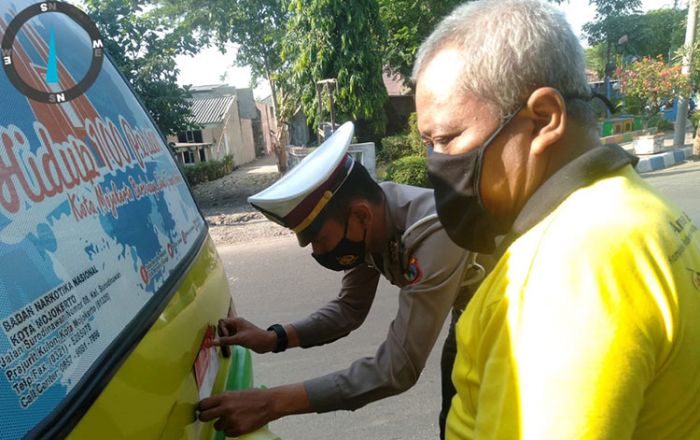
(110, 287)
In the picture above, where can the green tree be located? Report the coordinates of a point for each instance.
(612, 22)
(143, 45)
(660, 32)
(595, 59)
(407, 24)
(331, 39)
(257, 28)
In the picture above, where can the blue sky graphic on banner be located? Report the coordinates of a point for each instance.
(75, 178)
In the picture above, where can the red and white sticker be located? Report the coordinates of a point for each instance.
(206, 365)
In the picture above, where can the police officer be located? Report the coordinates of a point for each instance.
(367, 230)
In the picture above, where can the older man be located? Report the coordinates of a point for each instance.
(588, 325)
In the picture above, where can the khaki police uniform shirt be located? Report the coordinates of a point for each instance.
(428, 267)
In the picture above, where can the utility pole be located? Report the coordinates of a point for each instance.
(331, 86)
(682, 111)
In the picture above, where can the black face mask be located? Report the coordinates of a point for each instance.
(455, 179)
(346, 255)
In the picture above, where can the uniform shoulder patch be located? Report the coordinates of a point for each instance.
(413, 273)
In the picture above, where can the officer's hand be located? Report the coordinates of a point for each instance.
(238, 412)
(238, 331)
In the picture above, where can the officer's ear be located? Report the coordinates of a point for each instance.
(362, 211)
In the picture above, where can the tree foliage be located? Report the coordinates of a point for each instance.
(143, 45)
(660, 32)
(409, 170)
(652, 83)
(256, 27)
(407, 24)
(331, 39)
(595, 59)
(610, 24)
(654, 33)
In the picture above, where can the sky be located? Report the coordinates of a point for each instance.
(209, 64)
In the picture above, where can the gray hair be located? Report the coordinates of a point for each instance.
(511, 48)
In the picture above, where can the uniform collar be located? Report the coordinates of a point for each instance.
(589, 167)
(393, 236)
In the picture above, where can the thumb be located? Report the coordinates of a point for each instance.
(227, 326)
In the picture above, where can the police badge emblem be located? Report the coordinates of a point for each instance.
(413, 273)
(347, 260)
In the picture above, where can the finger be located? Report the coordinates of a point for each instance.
(225, 340)
(211, 414)
(222, 330)
(209, 402)
(230, 323)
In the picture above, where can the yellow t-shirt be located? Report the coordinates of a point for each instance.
(588, 327)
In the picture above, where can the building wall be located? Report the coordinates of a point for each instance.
(232, 136)
(215, 136)
(247, 151)
(267, 120)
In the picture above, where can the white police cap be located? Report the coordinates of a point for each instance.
(296, 200)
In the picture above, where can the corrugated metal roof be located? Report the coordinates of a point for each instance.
(211, 110)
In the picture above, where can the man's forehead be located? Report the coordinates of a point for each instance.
(440, 77)
(439, 96)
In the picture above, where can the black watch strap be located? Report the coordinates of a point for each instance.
(282, 339)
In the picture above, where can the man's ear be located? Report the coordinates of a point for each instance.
(547, 109)
(362, 210)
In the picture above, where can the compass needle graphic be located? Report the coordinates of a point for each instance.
(52, 66)
(55, 94)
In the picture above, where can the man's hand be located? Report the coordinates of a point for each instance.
(241, 412)
(238, 331)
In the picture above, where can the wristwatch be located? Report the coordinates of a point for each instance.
(282, 339)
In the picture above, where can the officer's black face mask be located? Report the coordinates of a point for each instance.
(347, 254)
(455, 179)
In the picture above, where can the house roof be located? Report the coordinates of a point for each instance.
(211, 110)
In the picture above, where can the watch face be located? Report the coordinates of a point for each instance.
(53, 91)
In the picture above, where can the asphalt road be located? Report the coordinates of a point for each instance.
(276, 281)
(681, 184)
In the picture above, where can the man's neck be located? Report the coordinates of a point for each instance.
(576, 141)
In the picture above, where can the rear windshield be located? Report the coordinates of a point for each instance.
(94, 218)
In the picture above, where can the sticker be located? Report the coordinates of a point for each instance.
(206, 365)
